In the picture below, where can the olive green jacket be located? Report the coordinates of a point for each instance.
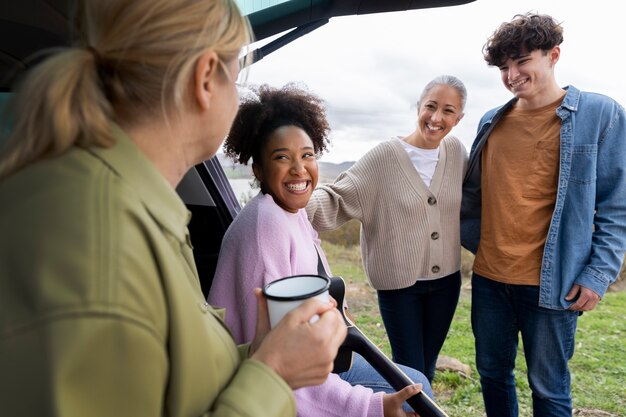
(101, 312)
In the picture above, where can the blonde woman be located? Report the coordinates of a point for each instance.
(101, 312)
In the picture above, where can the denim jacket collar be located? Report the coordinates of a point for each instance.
(571, 99)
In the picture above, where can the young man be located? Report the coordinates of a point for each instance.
(544, 209)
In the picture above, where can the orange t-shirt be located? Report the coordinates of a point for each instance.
(520, 170)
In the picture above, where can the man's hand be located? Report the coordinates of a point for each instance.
(587, 299)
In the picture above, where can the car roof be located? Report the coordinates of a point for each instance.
(31, 26)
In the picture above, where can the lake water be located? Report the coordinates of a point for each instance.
(242, 189)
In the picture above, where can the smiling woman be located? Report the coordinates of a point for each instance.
(406, 193)
(288, 168)
(282, 131)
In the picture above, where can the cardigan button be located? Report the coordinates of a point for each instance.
(435, 269)
(432, 200)
(434, 235)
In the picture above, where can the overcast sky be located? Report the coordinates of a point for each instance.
(370, 69)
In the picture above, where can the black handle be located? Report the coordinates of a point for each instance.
(420, 402)
(356, 341)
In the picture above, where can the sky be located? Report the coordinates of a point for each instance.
(370, 69)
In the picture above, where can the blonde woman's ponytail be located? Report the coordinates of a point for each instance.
(60, 104)
(138, 67)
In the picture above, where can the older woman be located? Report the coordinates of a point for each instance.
(406, 193)
(101, 312)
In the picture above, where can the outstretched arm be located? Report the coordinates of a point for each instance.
(334, 204)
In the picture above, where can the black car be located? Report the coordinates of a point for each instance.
(30, 26)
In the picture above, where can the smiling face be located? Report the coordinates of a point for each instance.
(439, 111)
(288, 169)
(530, 76)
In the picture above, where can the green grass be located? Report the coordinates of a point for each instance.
(598, 367)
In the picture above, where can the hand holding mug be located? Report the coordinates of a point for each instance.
(301, 352)
(285, 294)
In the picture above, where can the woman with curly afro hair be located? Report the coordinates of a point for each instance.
(283, 131)
(265, 109)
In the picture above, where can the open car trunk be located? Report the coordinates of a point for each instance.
(30, 27)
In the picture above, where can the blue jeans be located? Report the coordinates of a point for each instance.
(499, 313)
(362, 373)
(417, 320)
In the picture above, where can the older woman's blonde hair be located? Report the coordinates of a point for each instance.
(134, 62)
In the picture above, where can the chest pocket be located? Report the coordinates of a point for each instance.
(584, 164)
(543, 174)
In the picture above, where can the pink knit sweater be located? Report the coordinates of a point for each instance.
(265, 243)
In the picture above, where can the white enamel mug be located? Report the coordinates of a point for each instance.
(287, 293)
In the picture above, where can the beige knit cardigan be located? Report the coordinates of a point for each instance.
(409, 232)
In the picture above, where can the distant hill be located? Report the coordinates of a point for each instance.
(328, 171)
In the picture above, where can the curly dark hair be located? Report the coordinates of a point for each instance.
(524, 34)
(269, 108)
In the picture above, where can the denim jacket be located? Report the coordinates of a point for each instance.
(587, 234)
